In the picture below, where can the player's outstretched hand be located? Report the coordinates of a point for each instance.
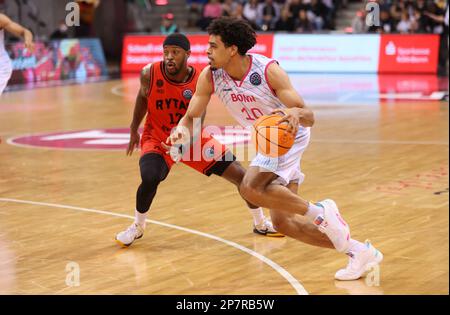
(134, 142)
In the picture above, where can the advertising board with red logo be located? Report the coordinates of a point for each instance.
(139, 51)
(408, 53)
(332, 53)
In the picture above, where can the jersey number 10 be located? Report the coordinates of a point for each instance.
(253, 114)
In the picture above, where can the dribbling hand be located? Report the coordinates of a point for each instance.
(291, 117)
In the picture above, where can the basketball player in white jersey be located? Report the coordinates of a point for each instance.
(252, 85)
(5, 63)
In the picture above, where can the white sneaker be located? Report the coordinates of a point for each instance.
(333, 225)
(127, 237)
(360, 262)
(266, 228)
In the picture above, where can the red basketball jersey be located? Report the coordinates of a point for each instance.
(167, 102)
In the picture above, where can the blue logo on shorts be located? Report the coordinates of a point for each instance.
(209, 152)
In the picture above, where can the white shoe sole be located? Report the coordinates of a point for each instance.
(369, 266)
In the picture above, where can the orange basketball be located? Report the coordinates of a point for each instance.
(269, 138)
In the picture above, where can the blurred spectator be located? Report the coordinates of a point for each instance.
(386, 22)
(329, 13)
(295, 6)
(87, 15)
(195, 9)
(239, 11)
(211, 10)
(317, 13)
(359, 23)
(440, 17)
(61, 32)
(405, 25)
(168, 26)
(229, 7)
(286, 22)
(303, 24)
(251, 12)
(269, 13)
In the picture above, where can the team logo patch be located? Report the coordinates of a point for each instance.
(187, 94)
(209, 152)
(255, 79)
(115, 139)
(159, 83)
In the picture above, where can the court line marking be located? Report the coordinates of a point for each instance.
(284, 273)
(116, 90)
(11, 140)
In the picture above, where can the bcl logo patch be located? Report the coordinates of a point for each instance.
(187, 94)
(255, 79)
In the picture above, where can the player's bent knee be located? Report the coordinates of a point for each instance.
(250, 192)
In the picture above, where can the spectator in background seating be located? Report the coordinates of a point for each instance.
(329, 13)
(316, 14)
(295, 6)
(195, 9)
(61, 32)
(239, 11)
(303, 24)
(87, 15)
(229, 7)
(269, 13)
(406, 25)
(211, 11)
(440, 17)
(251, 12)
(359, 23)
(386, 22)
(168, 26)
(285, 22)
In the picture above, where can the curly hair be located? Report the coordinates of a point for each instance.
(234, 31)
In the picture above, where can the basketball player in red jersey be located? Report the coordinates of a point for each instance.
(164, 95)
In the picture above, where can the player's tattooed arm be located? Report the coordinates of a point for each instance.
(297, 112)
(140, 108)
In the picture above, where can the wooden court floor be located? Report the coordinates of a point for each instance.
(385, 165)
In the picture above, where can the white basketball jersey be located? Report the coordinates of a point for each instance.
(251, 98)
(5, 62)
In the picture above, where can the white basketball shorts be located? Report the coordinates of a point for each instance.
(287, 166)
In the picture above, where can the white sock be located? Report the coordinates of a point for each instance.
(313, 211)
(139, 218)
(258, 215)
(355, 246)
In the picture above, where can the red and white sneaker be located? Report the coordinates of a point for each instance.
(333, 225)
